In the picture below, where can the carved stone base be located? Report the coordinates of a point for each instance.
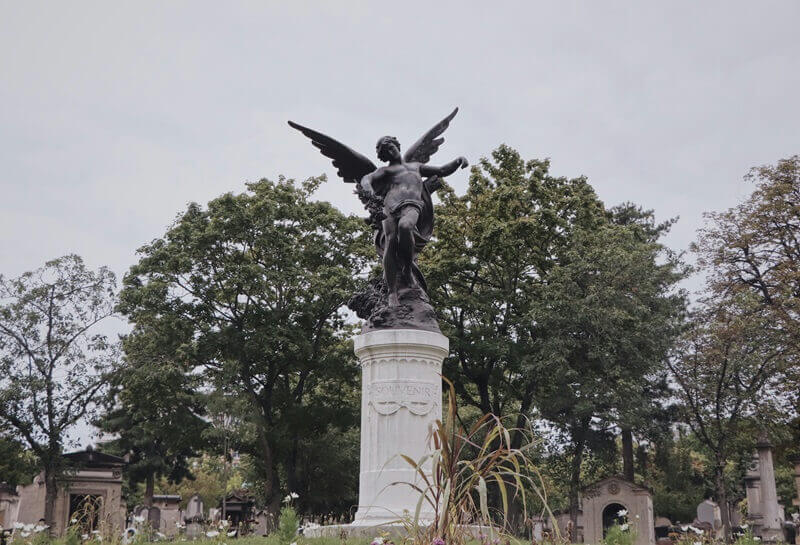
(401, 399)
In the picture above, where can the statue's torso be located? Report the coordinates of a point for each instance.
(400, 184)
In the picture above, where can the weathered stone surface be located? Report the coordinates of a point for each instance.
(401, 399)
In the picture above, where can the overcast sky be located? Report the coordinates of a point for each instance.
(113, 116)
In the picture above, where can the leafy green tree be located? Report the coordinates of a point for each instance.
(678, 478)
(154, 410)
(753, 250)
(17, 465)
(208, 480)
(552, 303)
(643, 402)
(487, 271)
(737, 366)
(611, 313)
(53, 362)
(260, 278)
(728, 374)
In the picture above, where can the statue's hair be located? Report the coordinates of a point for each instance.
(382, 142)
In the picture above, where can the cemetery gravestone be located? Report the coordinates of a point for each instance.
(710, 515)
(194, 517)
(763, 509)
(195, 508)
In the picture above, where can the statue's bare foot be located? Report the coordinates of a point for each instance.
(393, 300)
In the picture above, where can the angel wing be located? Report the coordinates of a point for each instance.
(351, 165)
(429, 144)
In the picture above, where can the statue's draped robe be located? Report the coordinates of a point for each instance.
(422, 234)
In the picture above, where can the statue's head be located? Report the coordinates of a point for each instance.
(388, 148)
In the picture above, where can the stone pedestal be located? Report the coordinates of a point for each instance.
(401, 398)
(772, 519)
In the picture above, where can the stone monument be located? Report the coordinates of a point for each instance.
(400, 348)
(92, 477)
(602, 502)
(763, 510)
(709, 515)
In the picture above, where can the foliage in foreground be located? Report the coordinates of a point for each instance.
(273, 539)
(456, 476)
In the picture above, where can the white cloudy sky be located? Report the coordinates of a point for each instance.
(113, 116)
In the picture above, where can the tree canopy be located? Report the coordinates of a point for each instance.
(260, 279)
(555, 305)
(53, 361)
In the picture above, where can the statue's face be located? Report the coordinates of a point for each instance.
(392, 150)
(389, 151)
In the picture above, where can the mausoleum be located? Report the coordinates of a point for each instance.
(601, 504)
(94, 477)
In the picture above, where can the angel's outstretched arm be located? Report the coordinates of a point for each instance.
(366, 184)
(444, 170)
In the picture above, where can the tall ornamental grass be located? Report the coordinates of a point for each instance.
(456, 477)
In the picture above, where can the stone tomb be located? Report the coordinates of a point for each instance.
(9, 503)
(195, 510)
(238, 507)
(262, 524)
(165, 514)
(600, 504)
(194, 516)
(95, 477)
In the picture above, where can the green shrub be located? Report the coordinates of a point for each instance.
(619, 535)
(73, 536)
(287, 525)
(747, 538)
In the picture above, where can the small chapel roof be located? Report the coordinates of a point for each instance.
(618, 479)
(91, 458)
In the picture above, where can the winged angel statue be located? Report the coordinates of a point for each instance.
(398, 199)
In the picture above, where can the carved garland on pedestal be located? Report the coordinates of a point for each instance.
(386, 397)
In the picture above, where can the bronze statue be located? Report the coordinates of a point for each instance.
(398, 200)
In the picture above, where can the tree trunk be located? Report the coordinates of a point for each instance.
(627, 454)
(722, 498)
(149, 489)
(641, 456)
(274, 505)
(483, 392)
(50, 495)
(292, 478)
(575, 480)
(270, 474)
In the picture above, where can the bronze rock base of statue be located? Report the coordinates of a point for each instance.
(413, 312)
